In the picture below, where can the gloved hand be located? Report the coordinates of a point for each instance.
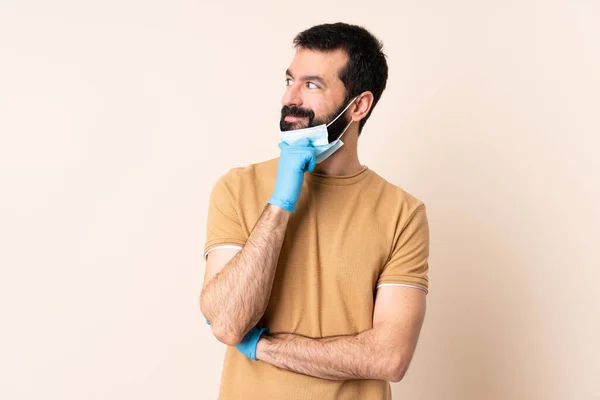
(294, 161)
(248, 344)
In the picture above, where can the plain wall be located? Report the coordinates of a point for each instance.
(117, 117)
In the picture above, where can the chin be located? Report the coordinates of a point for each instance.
(292, 126)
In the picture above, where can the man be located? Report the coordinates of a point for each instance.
(316, 266)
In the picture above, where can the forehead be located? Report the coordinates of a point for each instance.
(326, 64)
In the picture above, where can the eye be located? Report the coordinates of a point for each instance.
(288, 81)
(311, 85)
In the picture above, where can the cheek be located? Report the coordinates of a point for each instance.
(318, 104)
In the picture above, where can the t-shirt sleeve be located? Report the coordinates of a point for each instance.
(408, 263)
(224, 227)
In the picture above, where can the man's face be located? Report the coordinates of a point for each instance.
(314, 94)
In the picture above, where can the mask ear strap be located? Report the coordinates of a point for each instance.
(344, 131)
(343, 111)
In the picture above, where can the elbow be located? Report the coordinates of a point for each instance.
(396, 369)
(226, 335)
(222, 333)
(226, 332)
(227, 338)
(396, 376)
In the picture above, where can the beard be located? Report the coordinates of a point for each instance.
(334, 130)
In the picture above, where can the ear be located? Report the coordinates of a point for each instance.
(362, 105)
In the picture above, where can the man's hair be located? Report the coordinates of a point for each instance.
(366, 69)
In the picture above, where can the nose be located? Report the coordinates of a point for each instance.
(292, 96)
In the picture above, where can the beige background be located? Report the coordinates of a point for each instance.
(116, 118)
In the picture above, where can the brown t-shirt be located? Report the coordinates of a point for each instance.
(348, 236)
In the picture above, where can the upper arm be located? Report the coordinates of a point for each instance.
(216, 261)
(402, 286)
(399, 314)
(408, 262)
(225, 234)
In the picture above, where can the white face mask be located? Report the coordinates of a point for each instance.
(318, 137)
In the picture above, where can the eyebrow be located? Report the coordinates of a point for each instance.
(315, 78)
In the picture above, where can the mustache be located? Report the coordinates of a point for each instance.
(299, 112)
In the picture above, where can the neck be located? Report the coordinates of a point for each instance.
(345, 160)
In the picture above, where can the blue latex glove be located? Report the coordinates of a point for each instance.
(248, 344)
(294, 161)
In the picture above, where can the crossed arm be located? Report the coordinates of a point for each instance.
(236, 290)
(383, 352)
(237, 284)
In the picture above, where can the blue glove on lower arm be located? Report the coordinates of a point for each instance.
(294, 161)
(248, 344)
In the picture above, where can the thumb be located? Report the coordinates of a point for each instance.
(312, 164)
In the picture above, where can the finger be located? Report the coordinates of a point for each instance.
(312, 163)
(283, 145)
(309, 161)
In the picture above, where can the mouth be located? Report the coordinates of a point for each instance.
(290, 118)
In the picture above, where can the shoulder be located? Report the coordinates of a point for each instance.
(394, 195)
(251, 174)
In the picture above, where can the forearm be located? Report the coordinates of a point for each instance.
(362, 356)
(237, 297)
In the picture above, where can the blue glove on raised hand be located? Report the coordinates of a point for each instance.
(248, 344)
(295, 159)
